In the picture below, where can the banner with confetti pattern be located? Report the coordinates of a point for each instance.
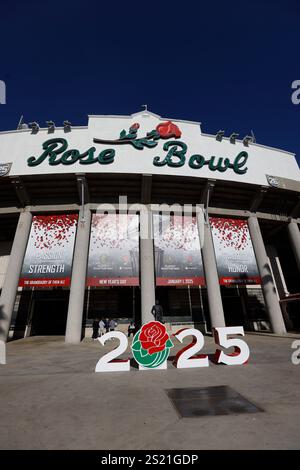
(114, 250)
(178, 260)
(49, 253)
(234, 251)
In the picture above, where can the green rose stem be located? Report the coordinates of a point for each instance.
(151, 135)
(149, 360)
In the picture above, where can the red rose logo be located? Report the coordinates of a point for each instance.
(135, 126)
(153, 337)
(168, 129)
(151, 345)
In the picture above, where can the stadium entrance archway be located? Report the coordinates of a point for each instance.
(49, 312)
(120, 303)
(184, 304)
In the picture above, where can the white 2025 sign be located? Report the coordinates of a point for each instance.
(151, 347)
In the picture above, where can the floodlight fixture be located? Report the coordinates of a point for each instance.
(34, 126)
(219, 135)
(67, 126)
(233, 137)
(248, 139)
(51, 126)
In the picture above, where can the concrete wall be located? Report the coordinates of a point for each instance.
(5, 248)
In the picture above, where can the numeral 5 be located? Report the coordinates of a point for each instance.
(241, 350)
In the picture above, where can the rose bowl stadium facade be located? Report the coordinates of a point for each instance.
(102, 220)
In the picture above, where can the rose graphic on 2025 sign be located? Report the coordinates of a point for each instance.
(151, 345)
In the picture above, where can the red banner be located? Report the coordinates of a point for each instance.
(182, 281)
(234, 251)
(224, 281)
(49, 253)
(124, 281)
(42, 282)
(114, 250)
(178, 259)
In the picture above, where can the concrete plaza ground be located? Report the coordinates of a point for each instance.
(50, 398)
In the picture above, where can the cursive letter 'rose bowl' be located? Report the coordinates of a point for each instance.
(151, 345)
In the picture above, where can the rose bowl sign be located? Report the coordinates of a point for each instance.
(57, 152)
(152, 343)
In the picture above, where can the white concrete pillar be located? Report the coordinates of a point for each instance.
(211, 275)
(2, 352)
(78, 280)
(294, 237)
(11, 281)
(267, 281)
(147, 265)
(277, 271)
(279, 279)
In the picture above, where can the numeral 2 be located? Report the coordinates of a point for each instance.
(186, 357)
(109, 363)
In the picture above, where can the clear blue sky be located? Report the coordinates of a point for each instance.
(229, 64)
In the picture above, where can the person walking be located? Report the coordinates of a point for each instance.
(157, 311)
(106, 324)
(112, 325)
(131, 329)
(95, 329)
(102, 327)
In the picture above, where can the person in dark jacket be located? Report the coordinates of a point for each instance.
(157, 311)
(106, 323)
(131, 329)
(95, 329)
